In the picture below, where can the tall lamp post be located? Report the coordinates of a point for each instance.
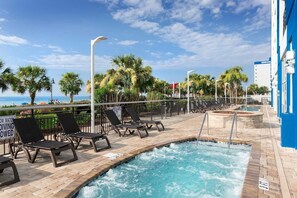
(52, 82)
(216, 90)
(246, 98)
(225, 92)
(93, 43)
(188, 91)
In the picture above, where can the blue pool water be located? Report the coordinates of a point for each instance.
(180, 170)
(249, 108)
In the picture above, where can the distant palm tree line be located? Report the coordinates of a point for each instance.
(128, 80)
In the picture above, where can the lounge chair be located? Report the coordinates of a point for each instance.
(31, 137)
(72, 130)
(149, 123)
(6, 162)
(117, 126)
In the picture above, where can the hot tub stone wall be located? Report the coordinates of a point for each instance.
(218, 120)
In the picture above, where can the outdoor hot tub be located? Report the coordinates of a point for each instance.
(245, 119)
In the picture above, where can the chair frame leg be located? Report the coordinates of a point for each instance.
(53, 153)
(15, 173)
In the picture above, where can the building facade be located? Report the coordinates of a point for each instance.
(262, 73)
(286, 44)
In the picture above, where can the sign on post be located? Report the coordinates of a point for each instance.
(7, 130)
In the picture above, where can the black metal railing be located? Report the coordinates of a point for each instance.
(157, 109)
(49, 124)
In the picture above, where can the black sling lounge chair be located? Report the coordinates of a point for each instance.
(6, 162)
(72, 130)
(31, 137)
(149, 123)
(117, 125)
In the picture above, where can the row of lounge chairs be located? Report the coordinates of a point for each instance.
(32, 138)
(201, 106)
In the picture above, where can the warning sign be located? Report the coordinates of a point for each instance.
(7, 130)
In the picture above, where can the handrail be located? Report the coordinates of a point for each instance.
(231, 132)
(205, 116)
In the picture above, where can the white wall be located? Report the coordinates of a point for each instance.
(262, 74)
(274, 75)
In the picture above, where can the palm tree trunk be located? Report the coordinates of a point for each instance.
(71, 98)
(32, 96)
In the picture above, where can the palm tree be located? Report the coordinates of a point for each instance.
(4, 77)
(263, 90)
(97, 80)
(129, 74)
(203, 84)
(70, 84)
(253, 89)
(234, 77)
(32, 79)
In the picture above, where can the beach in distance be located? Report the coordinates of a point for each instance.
(22, 100)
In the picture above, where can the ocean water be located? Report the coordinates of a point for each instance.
(19, 100)
(180, 170)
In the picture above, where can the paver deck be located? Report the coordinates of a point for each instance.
(268, 160)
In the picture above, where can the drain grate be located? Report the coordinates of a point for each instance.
(263, 184)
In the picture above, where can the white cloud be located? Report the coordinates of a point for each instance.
(127, 42)
(37, 45)
(260, 20)
(187, 12)
(12, 40)
(110, 3)
(74, 62)
(230, 4)
(56, 49)
(204, 49)
(2, 19)
(250, 4)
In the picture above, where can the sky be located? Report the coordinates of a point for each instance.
(171, 36)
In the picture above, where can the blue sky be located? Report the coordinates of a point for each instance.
(172, 36)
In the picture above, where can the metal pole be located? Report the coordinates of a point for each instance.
(93, 42)
(225, 94)
(51, 92)
(188, 93)
(92, 89)
(173, 89)
(246, 96)
(216, 90)
(179, 90)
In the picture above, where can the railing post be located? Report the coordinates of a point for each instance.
(32, 113)
(233, 121)
(205, 115)
(152, 111)
(207, 123)
(165, 110)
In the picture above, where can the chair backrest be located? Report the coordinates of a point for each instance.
(112, 117)
(134, 115)
(68, 123)
(28, 130)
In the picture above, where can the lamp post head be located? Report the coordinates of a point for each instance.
(98, 39)
(190, 71)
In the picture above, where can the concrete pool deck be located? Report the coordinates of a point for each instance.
(276, 164)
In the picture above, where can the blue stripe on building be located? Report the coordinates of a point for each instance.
(288, 118)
